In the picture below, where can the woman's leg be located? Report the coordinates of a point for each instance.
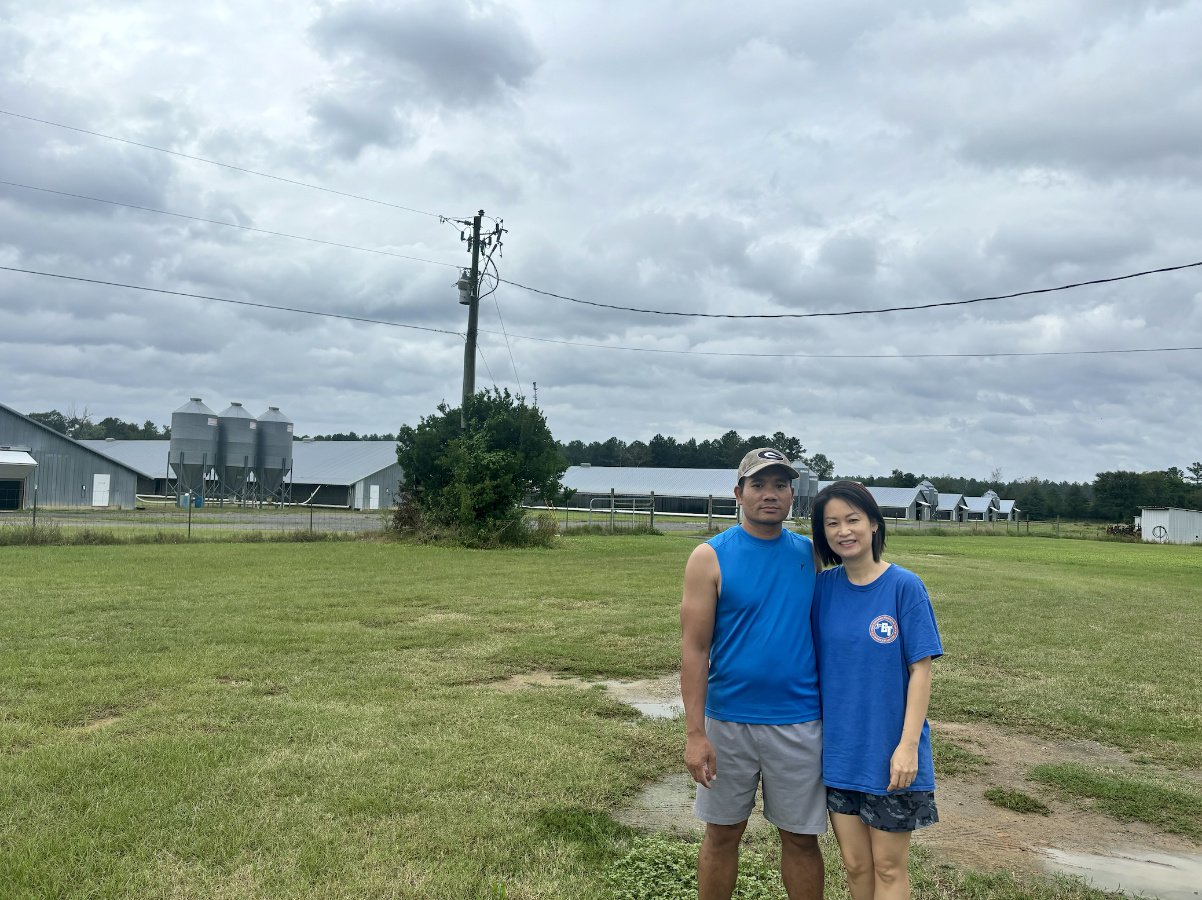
(891, 864)
(855, 846)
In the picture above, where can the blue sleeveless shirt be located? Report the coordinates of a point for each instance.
(762, 665)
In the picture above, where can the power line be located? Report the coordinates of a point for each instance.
(658, 312)
(213, 162)
(497, 303)
(292, 309)
(876, 356)
(164, 212)
(756, 355)
(857, 312)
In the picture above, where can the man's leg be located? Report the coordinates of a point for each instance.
(891, 864)
(718, 861)
(855, 846)
(801, 865)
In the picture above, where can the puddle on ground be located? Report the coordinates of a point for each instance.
(1147, 873)
(660, 710)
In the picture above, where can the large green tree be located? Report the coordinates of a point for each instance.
(471, 472)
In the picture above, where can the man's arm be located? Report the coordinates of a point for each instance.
(700, 600)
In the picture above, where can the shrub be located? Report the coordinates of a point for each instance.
(466, 474)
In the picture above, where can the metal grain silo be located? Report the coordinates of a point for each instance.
(929, 496)
(801, 490)
(237, 450)
(193, 449)
(275, 452)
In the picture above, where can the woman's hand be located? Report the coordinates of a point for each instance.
(903, 766)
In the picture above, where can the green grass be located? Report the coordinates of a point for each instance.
(1016, 801)
(952, 759)
(1176, 808)
(314, 721)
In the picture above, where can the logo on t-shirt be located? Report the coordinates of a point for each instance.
(883, 629)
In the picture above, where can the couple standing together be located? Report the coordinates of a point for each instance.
(810, 684)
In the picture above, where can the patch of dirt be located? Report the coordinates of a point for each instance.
(538, 679)
(97, 724)
(974, 832)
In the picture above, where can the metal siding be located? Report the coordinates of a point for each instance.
(1183, 526)
(64, 466)
(387, 480)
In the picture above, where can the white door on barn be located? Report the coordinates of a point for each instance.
(100, 490)
(373, 497)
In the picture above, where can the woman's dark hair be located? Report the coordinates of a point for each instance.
(853, 494)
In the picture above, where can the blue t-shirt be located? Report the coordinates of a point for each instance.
(867, 636)
(762, 665)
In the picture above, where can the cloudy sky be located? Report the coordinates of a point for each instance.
(722, 158)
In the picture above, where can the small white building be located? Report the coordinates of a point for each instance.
(1167, 525)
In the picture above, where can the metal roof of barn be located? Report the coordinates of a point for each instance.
(892, 497)
(624, 480)
(340, 462)
(950, 501)
(981, 504)
(313, 462)
(147, 458)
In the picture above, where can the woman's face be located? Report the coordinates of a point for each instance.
(848, 530)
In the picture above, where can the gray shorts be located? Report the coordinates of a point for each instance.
(787, 759)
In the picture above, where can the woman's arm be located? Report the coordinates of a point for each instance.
(904, 764)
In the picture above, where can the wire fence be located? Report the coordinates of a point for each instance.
(212, 521)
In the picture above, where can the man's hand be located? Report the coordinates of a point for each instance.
(700, 758)
(903, 766)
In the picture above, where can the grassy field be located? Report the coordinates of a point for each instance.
(314, 720)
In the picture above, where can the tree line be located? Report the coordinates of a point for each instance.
(724, 452)
(80, 427)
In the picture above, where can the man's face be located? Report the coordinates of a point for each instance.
(767, 496)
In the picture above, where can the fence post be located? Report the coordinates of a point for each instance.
(189, 515)
(709, 513)
(310, 518)
(611, 510)
(35, 506)
(653, 510)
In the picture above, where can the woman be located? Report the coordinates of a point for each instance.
(875, 634)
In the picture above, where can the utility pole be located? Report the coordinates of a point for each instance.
(473, 313)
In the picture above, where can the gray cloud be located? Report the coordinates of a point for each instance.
(458, 54)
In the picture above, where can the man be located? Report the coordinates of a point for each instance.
(749, 682)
